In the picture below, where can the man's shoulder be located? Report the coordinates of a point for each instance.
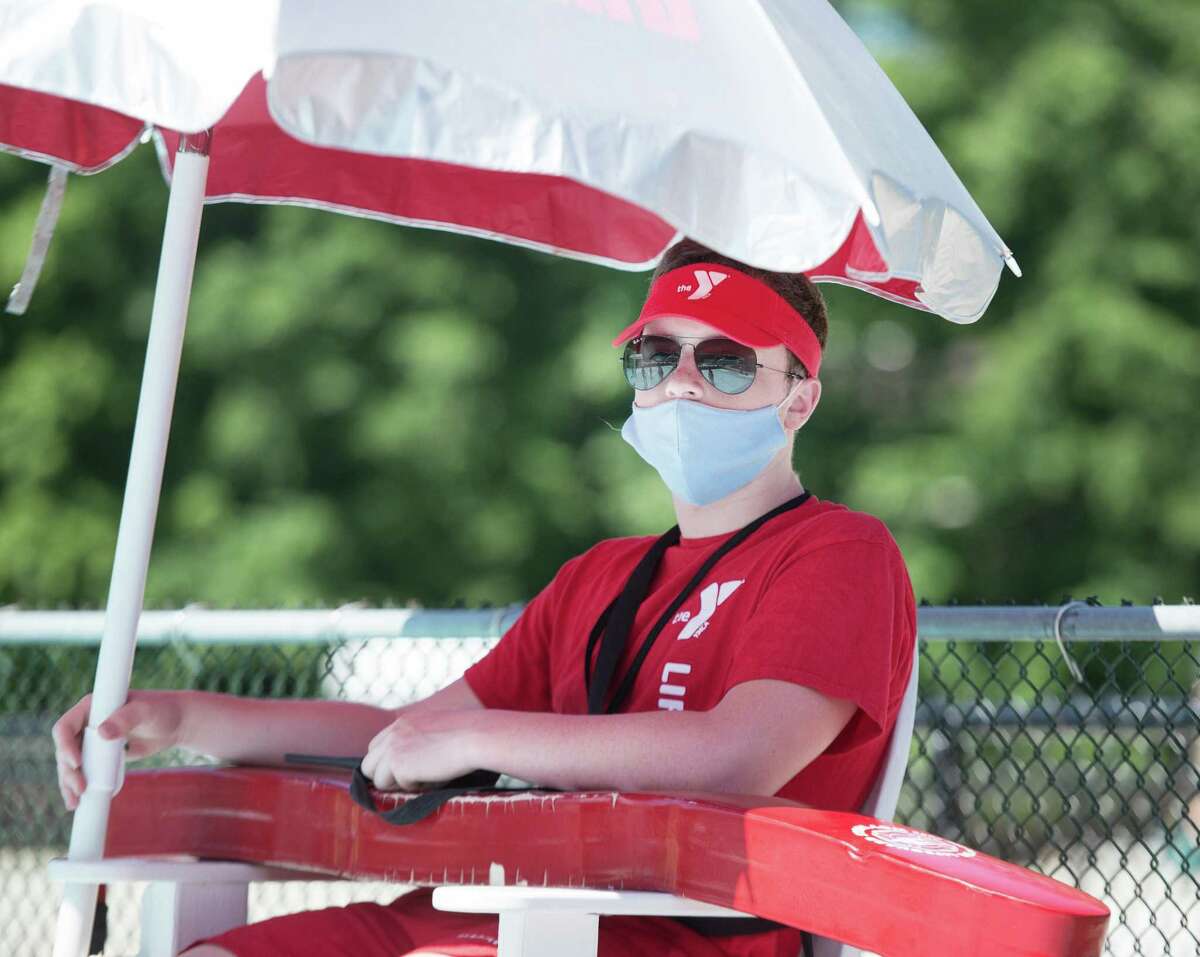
(615, 549)
(827, 523)
(606, 554)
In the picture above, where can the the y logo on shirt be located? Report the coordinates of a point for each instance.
(711, 598)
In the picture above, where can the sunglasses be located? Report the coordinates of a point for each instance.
(727, 366)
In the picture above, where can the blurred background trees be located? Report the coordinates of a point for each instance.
(372, 412)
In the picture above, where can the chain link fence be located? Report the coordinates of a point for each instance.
(1091, 781)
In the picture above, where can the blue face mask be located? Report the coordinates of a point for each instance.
(702, 453)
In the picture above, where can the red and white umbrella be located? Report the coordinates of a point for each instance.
(599, 129)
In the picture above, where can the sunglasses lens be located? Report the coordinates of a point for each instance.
(648, 360)
(728, 366)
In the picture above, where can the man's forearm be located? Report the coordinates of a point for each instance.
(262, 731)
(652, 750)
(761, 735)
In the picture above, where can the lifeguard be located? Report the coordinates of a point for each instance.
(762, 646)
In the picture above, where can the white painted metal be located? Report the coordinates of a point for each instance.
(182, 870)
(175, 916)
(185, 899)
(514, 898)
(553, 921)
(885, 794)
(214, 626)
(535, 933)
(1182, 620)
(134, 536)
(210, 626)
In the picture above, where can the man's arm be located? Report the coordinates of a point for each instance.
(262, 731)
(240, 730)
(759, 736)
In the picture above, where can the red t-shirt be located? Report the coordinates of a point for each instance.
(818, 596)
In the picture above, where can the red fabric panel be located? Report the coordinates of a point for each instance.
(251, 156)
(85, 137)
(858, 258)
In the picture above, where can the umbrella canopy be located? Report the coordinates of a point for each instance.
(602, 131)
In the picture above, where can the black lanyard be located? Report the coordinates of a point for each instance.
(616, 621)
(615, 624)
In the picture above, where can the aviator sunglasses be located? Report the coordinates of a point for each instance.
(727, 366)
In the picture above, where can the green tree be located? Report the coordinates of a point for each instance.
(1051, 449)
(369, 412)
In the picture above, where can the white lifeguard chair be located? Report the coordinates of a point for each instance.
(187, 900)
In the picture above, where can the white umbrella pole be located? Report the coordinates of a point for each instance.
(103, 761)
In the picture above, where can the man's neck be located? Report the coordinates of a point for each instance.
(775, 485)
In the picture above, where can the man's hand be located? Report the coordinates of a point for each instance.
(150, 721)
(422, 748)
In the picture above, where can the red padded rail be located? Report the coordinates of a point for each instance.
(883, 887)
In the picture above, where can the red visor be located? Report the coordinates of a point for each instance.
(743, 308)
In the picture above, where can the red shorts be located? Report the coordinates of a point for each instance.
(410, 926)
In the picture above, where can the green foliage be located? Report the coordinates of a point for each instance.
(1052, 448)
(371, 412)
(363, 411)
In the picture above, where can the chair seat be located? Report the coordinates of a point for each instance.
(499, 900)
(178, 870)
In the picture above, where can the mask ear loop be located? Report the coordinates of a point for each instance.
(788, 399)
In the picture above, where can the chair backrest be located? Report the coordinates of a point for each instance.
(884, 796)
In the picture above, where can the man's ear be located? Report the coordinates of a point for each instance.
(803, 405)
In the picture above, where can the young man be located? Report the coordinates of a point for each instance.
(763, 647)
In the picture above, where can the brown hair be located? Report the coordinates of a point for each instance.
(797, 289)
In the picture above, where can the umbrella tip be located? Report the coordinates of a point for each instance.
(1011, 263)
(871, 213)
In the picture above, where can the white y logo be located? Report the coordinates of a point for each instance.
(710, 599)
(707, 278)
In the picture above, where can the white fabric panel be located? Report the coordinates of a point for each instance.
(761, 127)
(174, 64)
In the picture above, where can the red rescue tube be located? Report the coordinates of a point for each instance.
(883, 887)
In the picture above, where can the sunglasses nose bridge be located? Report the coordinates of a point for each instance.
(685, 378)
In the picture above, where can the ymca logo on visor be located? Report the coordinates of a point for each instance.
(706, 280)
